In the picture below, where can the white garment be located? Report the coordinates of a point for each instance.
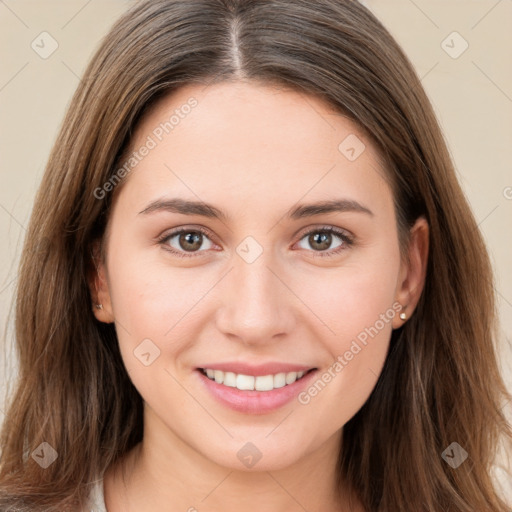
(96, 499)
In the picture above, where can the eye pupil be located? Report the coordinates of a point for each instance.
(324, 239)
(190, 240)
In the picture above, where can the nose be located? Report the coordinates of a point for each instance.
(256, 304)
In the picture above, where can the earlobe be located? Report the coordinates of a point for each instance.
(98, 286)
(413, 271)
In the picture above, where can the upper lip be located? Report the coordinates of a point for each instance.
(257, 370)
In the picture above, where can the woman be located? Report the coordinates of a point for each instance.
(251, 279)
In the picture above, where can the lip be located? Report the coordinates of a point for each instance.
(259, 370)
(255, 402)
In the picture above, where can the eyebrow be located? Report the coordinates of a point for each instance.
(203, 209)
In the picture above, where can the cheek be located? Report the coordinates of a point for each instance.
(155, 313)
(354, 296)
(357, 305)
(152, 301)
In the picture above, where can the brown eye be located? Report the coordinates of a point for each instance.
(190, 241)
(186, 241)
(320, 241)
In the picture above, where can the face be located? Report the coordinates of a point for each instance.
(250, 284)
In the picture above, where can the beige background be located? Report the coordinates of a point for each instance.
(472, 95)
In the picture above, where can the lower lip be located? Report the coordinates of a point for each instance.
(255, 402)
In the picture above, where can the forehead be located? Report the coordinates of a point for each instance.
(244, 141)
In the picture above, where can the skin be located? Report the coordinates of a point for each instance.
(254, 152)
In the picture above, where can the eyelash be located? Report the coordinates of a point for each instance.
(346, 239)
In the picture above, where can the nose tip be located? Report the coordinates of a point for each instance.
(255, 305)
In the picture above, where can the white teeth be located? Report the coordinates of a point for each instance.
(264, 383)
(230, 379)
(245, 382)
(249, 382)
(280, 380)
(291, 377)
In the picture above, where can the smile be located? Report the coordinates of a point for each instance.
(252, 383)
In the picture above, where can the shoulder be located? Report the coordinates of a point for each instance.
(96, 499)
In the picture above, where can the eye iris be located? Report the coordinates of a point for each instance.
(323, 238)
(190, 241)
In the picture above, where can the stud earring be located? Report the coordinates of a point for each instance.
(99, 306)
(403, 316)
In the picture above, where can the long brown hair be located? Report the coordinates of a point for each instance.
(440, 383)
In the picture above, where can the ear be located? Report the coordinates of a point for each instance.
(98, 286)
(413, 271)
